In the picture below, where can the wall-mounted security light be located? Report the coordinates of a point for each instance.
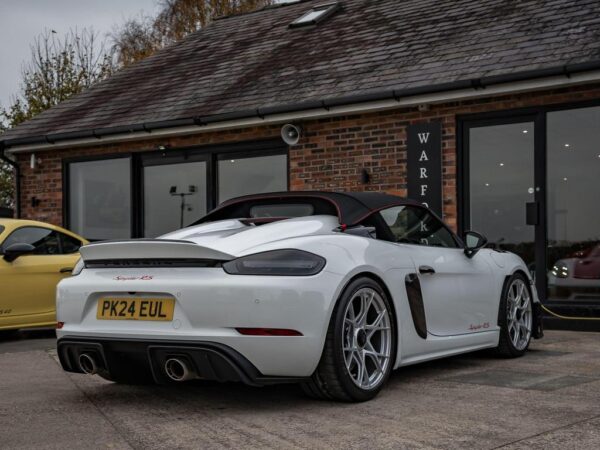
(34, 162)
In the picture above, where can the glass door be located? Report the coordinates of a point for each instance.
(501, 183)
(573, 185)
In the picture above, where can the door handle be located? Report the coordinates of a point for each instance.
(66, 270)
(426, 270)
(532, 213)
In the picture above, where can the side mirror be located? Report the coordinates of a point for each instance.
(473, 243)
(13, 251)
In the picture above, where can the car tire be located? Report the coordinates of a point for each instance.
(360, 346)
(515, 317)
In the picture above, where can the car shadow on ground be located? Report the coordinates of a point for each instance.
(208, 395)
(20, 335)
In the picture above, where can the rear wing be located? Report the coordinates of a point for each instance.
(151, 250)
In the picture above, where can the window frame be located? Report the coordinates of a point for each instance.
(537, 115)
(153, 156)
(457, 240)
(66, 173)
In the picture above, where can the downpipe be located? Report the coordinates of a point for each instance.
(179, 370)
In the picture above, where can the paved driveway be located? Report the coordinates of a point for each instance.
(548, 399)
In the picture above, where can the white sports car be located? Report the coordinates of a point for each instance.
(331, 290)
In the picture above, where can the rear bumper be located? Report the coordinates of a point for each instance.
(210, 306)
(127, 358)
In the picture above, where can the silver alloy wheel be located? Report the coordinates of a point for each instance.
(518, 314)
(367, 338)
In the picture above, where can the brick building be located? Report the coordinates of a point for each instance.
(510, 89)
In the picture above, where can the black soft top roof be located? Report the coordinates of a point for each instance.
(350, 207)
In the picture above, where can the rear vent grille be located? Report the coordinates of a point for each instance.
(148, 263)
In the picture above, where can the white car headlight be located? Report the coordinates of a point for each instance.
(560, 270)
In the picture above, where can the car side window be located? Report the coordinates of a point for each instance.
(414, 225)
(69, 244)
(44, 240)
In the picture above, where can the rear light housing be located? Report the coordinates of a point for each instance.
(288, 262)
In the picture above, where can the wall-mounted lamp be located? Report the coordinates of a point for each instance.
(34, 162)
(365, 177)
(423, 107)
(35, 202)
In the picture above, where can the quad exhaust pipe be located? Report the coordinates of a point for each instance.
(88, 364)
(178, 370)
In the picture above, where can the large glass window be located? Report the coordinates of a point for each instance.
(153, 193)
(174, 196)
(573, 176)
(501, 183)
(251, 176)
(100, 198)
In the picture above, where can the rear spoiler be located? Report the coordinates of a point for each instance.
(150, 249)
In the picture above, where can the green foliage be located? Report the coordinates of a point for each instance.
(58, 69)
(7, 186)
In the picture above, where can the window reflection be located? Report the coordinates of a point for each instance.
(174, 196)
(100, 198)
(501, 168)
(573, 191)
(251, 176)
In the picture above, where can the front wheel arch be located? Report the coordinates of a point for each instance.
(506, 347)
(505, 286)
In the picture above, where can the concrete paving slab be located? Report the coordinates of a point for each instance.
(41, 408)
(422, 407)
(521, 380)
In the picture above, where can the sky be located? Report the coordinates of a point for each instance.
(22, 20)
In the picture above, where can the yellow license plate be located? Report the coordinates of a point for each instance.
(115, 308)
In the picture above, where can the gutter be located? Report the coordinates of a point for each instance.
(564, 75)
(17, 170)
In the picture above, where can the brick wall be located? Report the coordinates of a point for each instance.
(330, 156)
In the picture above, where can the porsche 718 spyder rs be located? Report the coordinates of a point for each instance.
(330, 290)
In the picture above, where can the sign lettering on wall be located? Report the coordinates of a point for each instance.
(424, 164)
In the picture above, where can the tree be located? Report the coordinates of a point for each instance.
(136, 39)
(58, 69)
(141, 37)
(7, 186)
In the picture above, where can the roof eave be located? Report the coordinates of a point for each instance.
(385, 99)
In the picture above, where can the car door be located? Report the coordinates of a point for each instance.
(29, 282)
(455, 289)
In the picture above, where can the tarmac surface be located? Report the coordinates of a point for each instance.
(548, 399)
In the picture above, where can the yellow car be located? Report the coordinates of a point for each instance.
(34, 257)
